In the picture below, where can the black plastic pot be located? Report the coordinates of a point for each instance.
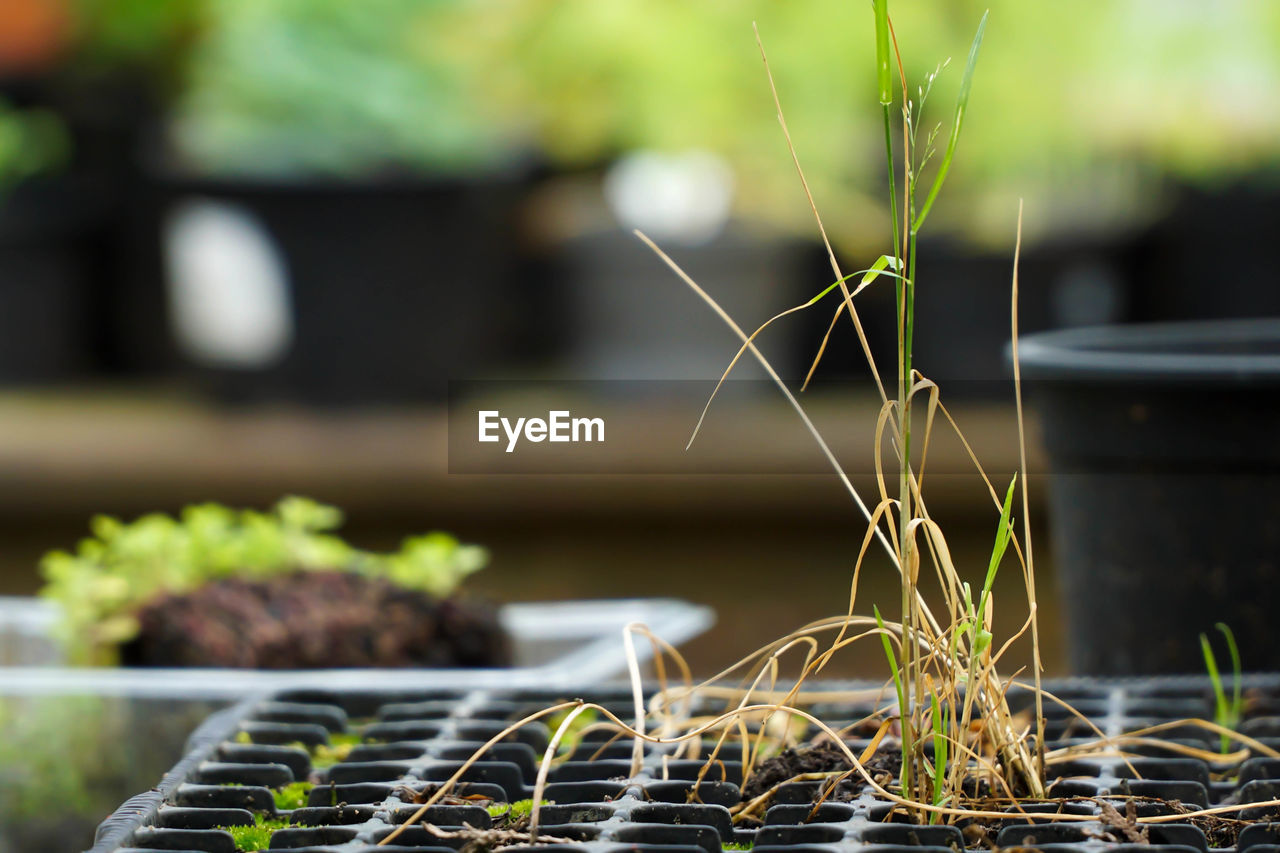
(392, 283)
(1165, 494)
(636, 320)
(77, 303)
(1178, 271)
(419, 736)
(46, 281)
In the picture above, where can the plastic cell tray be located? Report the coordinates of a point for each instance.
(410, 740)
(84, 739)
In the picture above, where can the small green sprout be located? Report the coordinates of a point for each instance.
(292, 796)
(735, 845)
(1228, 712)
(337, 750)
(256, 836)
(573, 734)
(510, 814)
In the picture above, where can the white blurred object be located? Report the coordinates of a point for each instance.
(228, 286)
(674, 198)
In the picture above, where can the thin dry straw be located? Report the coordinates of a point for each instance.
(1028, 571)
(777, 380)
(831, 255)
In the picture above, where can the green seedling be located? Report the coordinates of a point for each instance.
(572, 736)
(256, 836)
(1227, 712)
(292, 796)
(734, 845)
(337, 750)
(506, 815)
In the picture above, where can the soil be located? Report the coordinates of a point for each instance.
(315, 619)
(979, 834)
(819, 758)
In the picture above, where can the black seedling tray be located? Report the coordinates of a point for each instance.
(412, 739)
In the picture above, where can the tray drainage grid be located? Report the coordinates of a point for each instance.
(374, 756)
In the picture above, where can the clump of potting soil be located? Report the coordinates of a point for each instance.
(792, 762)
(270, 583)
(314, 619)
(820, 758)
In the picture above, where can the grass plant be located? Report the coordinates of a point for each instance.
(943, 705)
(1227, 712)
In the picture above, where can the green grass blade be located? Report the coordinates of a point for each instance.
(869, 275)
(962, 104)
(893, 660)
(884, 78)
(898, 686)
(1003, 534)
(1211, 666)
(1237, 701)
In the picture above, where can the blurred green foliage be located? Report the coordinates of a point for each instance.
(42, 755)
(33, 142)
(331, 87)
(67, 762)
(144, 37)
(100, 586)
(1079, 107)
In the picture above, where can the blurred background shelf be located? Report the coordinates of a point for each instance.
(733, 540)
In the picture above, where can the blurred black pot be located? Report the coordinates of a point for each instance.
(1165, 494)
(1213, 255)
(46, 280)
(380, 291)
(636, 320)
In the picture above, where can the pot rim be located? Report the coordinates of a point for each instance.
(1242, 351)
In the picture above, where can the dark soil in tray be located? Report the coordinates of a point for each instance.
(409, 742)
(315, 619)
(821, 757)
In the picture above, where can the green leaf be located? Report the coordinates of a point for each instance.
(883, 262)
(868, 276)
(1215, 678)
(962, 104)
(939, 754)
(1237, 702)
(1004, 532)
